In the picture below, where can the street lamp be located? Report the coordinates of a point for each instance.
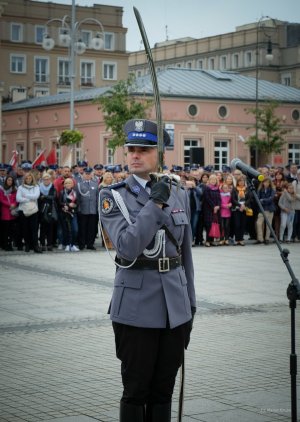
(70, 36)
(269, 56)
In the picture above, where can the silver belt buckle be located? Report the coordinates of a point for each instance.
(163, 265)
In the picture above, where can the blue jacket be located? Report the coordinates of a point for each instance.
(266, 197)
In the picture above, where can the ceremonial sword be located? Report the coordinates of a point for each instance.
(160, 147)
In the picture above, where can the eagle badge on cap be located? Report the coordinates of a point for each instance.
(139, 125)
(107, 205)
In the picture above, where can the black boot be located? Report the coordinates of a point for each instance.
(158, 412)
(131, 412)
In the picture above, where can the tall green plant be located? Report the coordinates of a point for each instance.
(119, 105)
(270, 132)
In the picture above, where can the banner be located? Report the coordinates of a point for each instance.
(14, 159)
(51, 157)
(40, 159)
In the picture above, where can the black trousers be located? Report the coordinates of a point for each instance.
(150, 359)
(87, 229)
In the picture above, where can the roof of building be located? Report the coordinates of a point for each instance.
(184, 83)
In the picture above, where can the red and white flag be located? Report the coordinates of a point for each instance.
(40, 159)
(14, 159)
(51, 157)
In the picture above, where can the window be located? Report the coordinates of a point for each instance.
(57, 147)
(286, 79)
(235, 63)
(110, 156)
(41, 72)
(86, 37)
(39, 34)
(64, 72)
(18, 63)
(294, 153)
(248, 58)
(221, 154)
(87, 73)
(189, 65)
(78, 156)
(16, 32)
(200, 64)
(40, 92)
(192, 110)
(295, 114)
(222, 111)
(188, 143)
(223, 62)
(170, 129)
(211, 64)
(21, 152)
(109, 71)
(109, 41)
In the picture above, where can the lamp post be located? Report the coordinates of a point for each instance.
(269, 57)
(70, 37)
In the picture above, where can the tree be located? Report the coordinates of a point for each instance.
(270, 133)
(119, 105)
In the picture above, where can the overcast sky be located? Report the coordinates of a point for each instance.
(193, 18)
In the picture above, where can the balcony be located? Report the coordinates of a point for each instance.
(87, 82)
(64, 81)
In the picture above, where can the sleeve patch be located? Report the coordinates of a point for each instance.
(107, 205)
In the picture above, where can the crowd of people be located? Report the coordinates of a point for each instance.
(57, 207)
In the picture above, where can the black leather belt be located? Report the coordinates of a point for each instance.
(162, 264)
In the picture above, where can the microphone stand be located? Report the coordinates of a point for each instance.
(293, 294)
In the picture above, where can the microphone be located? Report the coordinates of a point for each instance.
(248, 171)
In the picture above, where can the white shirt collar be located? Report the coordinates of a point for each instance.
(141, 181)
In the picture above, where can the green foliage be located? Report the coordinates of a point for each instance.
(70, 137)
(119, 105)
(270, 133)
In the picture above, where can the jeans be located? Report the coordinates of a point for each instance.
(286, 220)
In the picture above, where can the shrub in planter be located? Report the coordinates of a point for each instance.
(70, 137)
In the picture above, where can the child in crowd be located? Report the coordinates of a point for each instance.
(287, 205)
(226, 205)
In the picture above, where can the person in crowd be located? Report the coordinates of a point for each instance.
(228, 179)
(154, 296)
(292, 174)
(287, 203)
(296, 225)
(3, 173)
(203, 179)
(8, 213)
(27, 197)
(81, 165)
(68, 210)
(265, 193)
(241, 199)
(220, 178)
(211, 207)
(59, 187)
(195, 195)
(47, 211)
(98, 172)
(225, 213)
(107, 179)
(279, 185)
(19, 175)
(236, 175)
(87, 190)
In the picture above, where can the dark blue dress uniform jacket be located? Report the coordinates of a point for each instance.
(149, 298)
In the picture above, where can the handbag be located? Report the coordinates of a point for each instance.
(249, 212)
(29, 208)
(214, 231)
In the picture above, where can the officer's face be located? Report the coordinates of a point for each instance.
(142, 160)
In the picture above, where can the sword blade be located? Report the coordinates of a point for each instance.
(160, 142)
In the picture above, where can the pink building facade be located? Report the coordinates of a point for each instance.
(220, 127)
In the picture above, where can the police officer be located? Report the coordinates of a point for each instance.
(153, 299)
(87, 190)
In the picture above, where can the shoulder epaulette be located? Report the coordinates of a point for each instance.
(117, 185)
